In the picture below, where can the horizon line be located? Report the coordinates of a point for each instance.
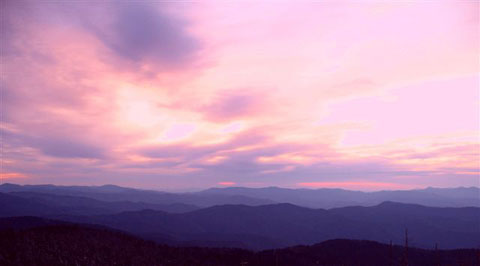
(193, 190)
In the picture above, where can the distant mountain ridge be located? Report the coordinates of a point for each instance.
(35, 203)
(115, 193)
(333, 198)
(313, 198)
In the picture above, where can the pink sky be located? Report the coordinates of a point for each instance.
(358, 95)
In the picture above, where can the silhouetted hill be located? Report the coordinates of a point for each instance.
(40, 204)
(281, 225)
(446, 226)
(79, 245)
(360, 252)
(27, 222)
(17, 206)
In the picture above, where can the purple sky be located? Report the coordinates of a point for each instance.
(360, 95)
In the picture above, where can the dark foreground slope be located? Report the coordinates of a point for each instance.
(79, 245)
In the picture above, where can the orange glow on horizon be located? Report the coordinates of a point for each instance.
(227, 183)
(12, 175)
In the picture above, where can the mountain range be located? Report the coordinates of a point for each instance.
(312, 198)
(111, 193)
(283, 225)
(222, 218)
(334, 198)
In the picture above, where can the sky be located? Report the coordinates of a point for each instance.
(361, 95)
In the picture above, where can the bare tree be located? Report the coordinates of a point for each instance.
(405, 253)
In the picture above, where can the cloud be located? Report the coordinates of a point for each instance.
(466, 151)
(53, 144)
(226, 183)
(147, 36)
(145, 33)
(9, 175)
(234, 104)
(66, 147)
(189, 151)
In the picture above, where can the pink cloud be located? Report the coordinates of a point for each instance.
(5, 176)
(235, 104)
